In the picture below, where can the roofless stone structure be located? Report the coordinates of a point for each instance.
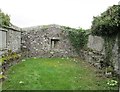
(47, 41)
(53, 41)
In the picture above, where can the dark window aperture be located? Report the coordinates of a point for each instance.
(54, 43)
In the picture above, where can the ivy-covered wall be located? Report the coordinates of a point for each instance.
(101, 53)
(47, 41)
(107, 27)
(77, 37)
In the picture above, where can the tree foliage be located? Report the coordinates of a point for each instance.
(4, 19)
(108, 23)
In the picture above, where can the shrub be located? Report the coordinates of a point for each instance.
(4, 19)
(108, 23)
(10, 56)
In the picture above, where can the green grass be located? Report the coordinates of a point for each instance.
(54, 74)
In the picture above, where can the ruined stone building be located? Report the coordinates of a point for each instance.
(10, 38)
(53, 41)
(47, 41)
(40, 41)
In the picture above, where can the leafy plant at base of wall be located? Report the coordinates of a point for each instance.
(10, 56)
(7, 60)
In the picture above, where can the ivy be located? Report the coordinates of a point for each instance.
(109, 44)
(108, 23)
(78, 37)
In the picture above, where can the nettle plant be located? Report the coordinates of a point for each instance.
(107, 25)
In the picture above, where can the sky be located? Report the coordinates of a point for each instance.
(72, 13)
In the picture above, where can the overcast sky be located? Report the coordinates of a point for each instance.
(73, 13)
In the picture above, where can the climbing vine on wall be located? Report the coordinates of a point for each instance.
(107, 25)
(109, 44)
(78, 37)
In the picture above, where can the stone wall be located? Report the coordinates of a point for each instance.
(12, 39)
(95, 43)
(53, 41)
(50, 41)
(95, 52)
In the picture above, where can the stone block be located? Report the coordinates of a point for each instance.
(95, 43)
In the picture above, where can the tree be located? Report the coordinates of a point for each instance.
(4, 19)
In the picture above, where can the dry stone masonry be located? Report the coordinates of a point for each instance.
(95, 53)
(10, 38)
(53, 41)
(47, 41)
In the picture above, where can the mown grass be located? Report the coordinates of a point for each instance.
(54, 74)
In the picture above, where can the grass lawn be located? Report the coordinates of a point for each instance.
(54, 74)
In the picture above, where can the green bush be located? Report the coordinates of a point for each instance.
(108, 23)
(10, 56)
(4, 19)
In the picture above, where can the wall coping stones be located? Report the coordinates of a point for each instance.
(42, 27)
(14, 28)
